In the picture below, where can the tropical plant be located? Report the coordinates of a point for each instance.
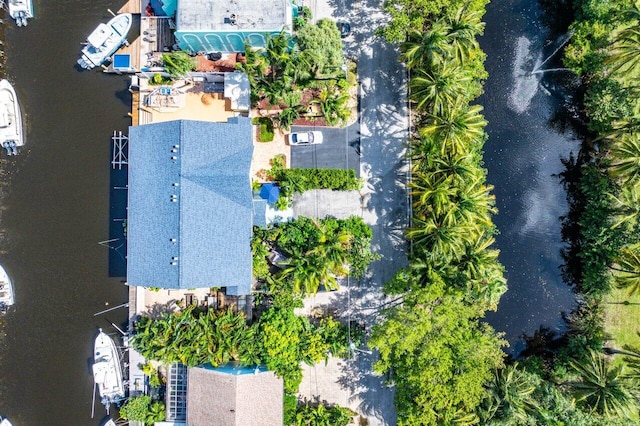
(424, 50)
(438, 355)
(602, 388)
(178, 64)
(323, 415)
(625, 55)
(463, 28)
(437, 88)
(510, 395)
(322, 43)
(142, 409)
(624, 156)
(626, 270)
(626, 206)
(457, 130)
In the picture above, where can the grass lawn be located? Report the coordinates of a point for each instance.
(622, 322)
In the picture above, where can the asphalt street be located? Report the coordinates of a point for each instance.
(382, 134)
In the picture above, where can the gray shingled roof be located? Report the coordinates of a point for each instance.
(202, 239)
(234, 397)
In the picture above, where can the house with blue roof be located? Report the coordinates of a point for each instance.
(190, 206)
(224, 25)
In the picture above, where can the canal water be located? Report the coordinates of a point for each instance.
(523, 155)
(54, 200)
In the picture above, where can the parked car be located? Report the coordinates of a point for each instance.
(305, 138)
(345, 29)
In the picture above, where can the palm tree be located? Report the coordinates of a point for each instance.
(437, 241)
(625, 56)
(454, 167)
(510, 395)
(602, 388)
(463, 28)
(308, 272)
(424, 50)
(437, 88)
(625, 158)
(626, 271)
(457, 128)
(475, 203)
(428, 195)
(626, 206)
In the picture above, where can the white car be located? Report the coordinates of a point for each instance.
(305, 138)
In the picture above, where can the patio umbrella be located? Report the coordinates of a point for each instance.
(270, 192)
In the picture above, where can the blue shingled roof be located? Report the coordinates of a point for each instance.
(202, 238)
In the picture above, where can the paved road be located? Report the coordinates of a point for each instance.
(383, 131)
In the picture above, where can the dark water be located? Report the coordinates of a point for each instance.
(55, 210)
(523, 156)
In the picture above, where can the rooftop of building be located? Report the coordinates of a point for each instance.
(233, 15)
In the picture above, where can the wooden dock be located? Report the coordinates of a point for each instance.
(131, 6)
(135, 105)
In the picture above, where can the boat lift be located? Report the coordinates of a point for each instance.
(120, 150)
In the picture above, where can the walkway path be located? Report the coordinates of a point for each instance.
(383, 133)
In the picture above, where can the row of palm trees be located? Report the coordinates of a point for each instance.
(451, 233)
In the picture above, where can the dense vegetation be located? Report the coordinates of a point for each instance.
(447, 366)
(433, 345)
(294, 76)
(317, 251)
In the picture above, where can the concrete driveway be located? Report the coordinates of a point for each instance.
(383, 132)
(340, 149)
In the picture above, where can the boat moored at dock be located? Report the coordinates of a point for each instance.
(6, 292)
(11, 136)
(105, 40)
(107, 370)
(20, 11)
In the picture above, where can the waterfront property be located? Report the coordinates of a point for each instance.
(225, 25)
(233, 396)
(190, 213)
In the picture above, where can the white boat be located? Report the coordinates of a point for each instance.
(21, 10)
(5, 422)
(6, 292)
(107, 370)
(11, 136)
(105, 40)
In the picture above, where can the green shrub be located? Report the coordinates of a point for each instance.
(158, 80)
(320, 415)
(301, 180)
(265, 128)
(142, 409)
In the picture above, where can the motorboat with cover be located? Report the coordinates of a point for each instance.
(107, 370)
(20, 11)
(11, 136)
(105, 40)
